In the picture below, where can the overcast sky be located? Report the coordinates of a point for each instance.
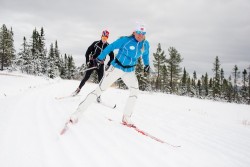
(199, 29)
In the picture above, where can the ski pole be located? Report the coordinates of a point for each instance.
(91, 68)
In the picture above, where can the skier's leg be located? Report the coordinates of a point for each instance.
(100, 73)
(131, 81)
(111, 76)
(85, 78)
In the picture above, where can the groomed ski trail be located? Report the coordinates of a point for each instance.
(31, 119)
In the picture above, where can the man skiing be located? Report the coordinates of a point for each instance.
(130, 48)
(92, 53)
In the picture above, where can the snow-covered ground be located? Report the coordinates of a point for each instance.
(211, 134)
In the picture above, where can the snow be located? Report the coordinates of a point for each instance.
(211, 134)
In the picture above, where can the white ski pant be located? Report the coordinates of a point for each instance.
(129, 78)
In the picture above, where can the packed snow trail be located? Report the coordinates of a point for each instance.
(210, 133)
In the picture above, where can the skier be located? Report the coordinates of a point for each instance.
(92, 53)
(130, 48)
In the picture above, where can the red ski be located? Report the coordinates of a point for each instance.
(66, 127)
(146, 134)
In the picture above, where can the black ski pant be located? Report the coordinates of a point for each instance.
(88, 73)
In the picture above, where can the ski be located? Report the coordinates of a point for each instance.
(142, 132)
(112, 106)
(63, 97)
(67, 96)
(65, 128)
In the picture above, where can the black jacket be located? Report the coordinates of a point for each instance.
(95, 49)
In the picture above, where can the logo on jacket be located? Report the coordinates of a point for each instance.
(132, 48)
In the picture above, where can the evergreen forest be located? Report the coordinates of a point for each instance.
(167, 74)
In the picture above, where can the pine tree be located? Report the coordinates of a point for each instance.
(195, 91)
(164, 79)
(229, 90)
(38, 52)
(57, 59)
(210, 88)
(36, 61)
(221, 76)
(143, 79)
(51, 68)
(7, 51)
(249, 84)
(174, 69)
(236, 75)
(42, 52)
(57, 64)
(205, 84)
(199, 88)
(64, 70)
(244, 87)
(216, 79)
(24, 59)
(184, 82)
(71, 68)
(57, 56)
(11, 47)
(224, 87)
(194, 77)
(159, 62)
(189, 92)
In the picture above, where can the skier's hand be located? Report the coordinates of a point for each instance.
(97, 63)
(147, 69)
(88, 64)
(106, 67)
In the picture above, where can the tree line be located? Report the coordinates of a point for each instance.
(33, 57)
(168, 75)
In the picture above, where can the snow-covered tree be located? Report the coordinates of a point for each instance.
(7, 50)
(24, 58)
(243, 90)
(236, 75)
(57, 57)
(174, 69)
(42, 52)
(52, 68)
(143, 78)
(159, 62)
(183, 84)
(71, 68)
(216, 79)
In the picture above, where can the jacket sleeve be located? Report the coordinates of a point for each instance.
(111, 57)
(145, 54)
(89, 51)
(110, 48)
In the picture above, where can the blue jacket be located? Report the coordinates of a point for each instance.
(129, 52)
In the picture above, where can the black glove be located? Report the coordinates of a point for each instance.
(106, 67)
(147, 69)
(88, 64)
(96, 63)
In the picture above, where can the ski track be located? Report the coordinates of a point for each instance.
(30, 132)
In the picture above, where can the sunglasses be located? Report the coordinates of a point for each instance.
(140, 32)
(104, 38)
